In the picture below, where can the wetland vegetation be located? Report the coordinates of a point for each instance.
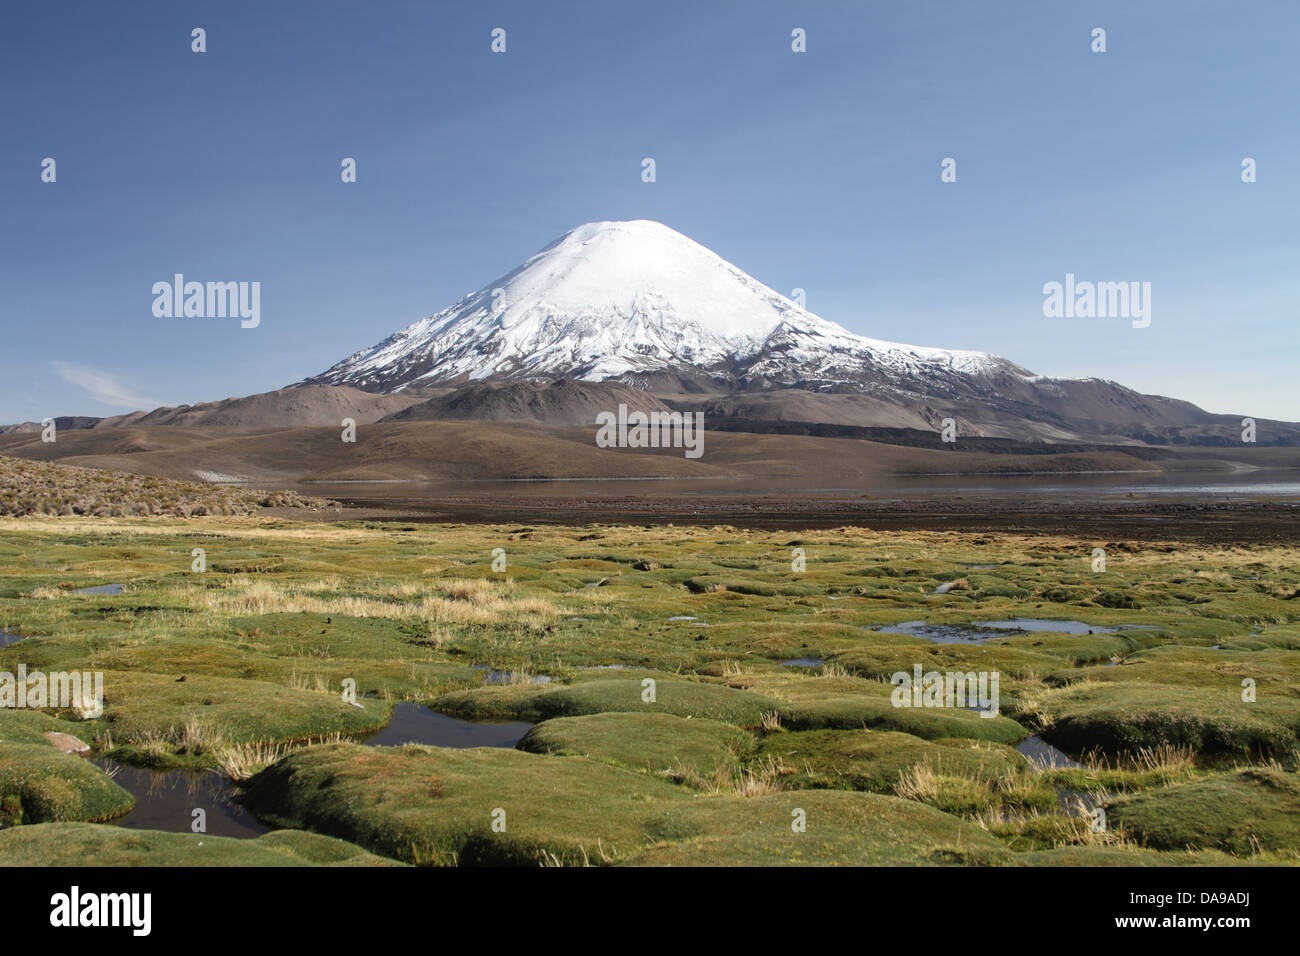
(669, 729)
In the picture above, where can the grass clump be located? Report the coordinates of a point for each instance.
(840, 828)
(39, 783)
(1129, 716)
(160, 722)
(683, 698)
(875, 760)
(659, 744)
(428, 805)
(86, 844)
(1243, 812)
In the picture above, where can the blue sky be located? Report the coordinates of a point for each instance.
(817, 170)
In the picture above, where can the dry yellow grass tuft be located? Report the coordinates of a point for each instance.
(242, 761)
(472, 601)
(919, 782)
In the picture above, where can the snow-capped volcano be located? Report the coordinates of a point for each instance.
(637, 300)
(634, 313)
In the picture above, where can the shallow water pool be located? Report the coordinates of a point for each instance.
(977, 631)
(1044, 756)
(167, 799)
(414, 723)
(101, 589)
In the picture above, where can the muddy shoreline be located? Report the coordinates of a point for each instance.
(1201, 520)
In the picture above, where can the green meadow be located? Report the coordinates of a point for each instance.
(670, 727)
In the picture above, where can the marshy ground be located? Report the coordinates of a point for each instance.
(673, 695)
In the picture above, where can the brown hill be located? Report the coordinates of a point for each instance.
(283, 408)
(1064, 411)
(565, 402)
(474, 450)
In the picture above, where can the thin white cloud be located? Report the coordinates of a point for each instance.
(102, 387)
